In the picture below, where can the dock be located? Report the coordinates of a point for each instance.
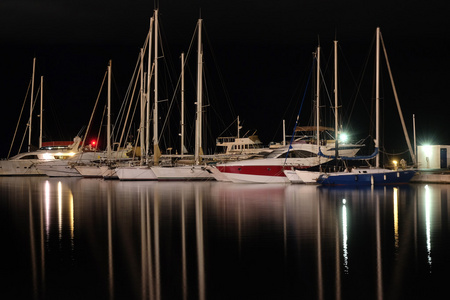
(432, 176)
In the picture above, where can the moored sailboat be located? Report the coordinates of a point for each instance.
(196, 171)
(374, 175)
(25, 163)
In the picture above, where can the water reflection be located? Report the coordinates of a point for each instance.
(156, 240)
(396, 218)
(428, 222)
(344, 236)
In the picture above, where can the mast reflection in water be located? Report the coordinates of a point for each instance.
(94, 239)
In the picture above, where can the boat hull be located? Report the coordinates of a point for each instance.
(254, 173)
(58, 168)
(183, 173)
(143, 173)
(302, 177)
(19, 168)
(377, 177)
(90, 171)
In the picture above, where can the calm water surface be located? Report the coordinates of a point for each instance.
(95, 239)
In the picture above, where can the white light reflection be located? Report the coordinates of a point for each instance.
(428, 222)
(47, 209)
(396, 218)
(344, 235)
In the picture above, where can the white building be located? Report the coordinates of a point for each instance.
(433, 157)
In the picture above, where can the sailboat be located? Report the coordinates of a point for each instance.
(143, 170)
(376, 175)
(25, 163)
(196, 171)
(310, 177)
(87, 163)
(101, 165)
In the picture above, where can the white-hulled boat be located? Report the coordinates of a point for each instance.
(66, 167)
(25, 164)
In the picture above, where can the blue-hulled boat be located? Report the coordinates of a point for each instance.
(374, 175)
(367, 176)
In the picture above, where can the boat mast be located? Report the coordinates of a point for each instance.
(156, 151)
(317, 97)
(40, 113)
(377, 96)
(142, 96)
(31, 105)
(182, 104)
(198, 142)
(108, 128)
(149, 73)
(336, 135)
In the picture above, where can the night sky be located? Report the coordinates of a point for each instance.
(258, 55)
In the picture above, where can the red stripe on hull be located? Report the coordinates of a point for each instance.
(255, 170)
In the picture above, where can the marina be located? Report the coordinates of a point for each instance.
(228, 151)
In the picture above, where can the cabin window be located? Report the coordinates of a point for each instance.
(31, 156)
(299, 154)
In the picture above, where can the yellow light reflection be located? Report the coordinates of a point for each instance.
(72, 221)
(344, 236)
(396, 218)
(428, 222)
(60, 209)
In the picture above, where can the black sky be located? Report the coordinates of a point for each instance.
(262, 48)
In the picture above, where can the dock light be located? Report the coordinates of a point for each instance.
(427, 150)
(343, 137)
(395, 164)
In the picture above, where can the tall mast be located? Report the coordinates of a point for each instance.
(336, 133)
(149, 73)
(182, 104)
(377, 96)
(198, 140)
(156, 152)
(40, 113)
(108, 128)
(317, 96)
(31, 105)
(142, 97)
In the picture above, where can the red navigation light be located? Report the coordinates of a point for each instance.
(93, 143)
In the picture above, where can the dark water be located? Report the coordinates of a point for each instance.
(95, 239)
